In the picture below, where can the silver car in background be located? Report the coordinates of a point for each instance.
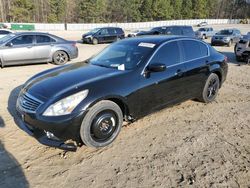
(35, 47)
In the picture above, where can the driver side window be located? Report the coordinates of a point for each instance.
(22, 40)
(169, 54)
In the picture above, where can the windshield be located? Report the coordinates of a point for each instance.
(94, 30)
(6, 38)
(155, 29)
(123, 56)
(202, 29)
(225, 32)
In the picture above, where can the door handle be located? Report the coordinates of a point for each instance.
(29, 46)
(179, 72)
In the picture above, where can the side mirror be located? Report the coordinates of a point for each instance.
(157, 67)
(9, 44)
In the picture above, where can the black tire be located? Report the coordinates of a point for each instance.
(211, 88)
(212, 44)
(95, 41)
(229, 44)
(238, 58)
(102, 124)
(60, 58)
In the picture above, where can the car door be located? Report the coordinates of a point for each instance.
(42, 47)
(103, 35)
(196, 58)
(112, 35)
(163, 88)
(19, 50)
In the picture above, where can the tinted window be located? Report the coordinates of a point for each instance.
(112, 31)
(43, 39)
(3, 32)
(188, 31)
(119, 30)
(122, 56)
(168, 54)
(193, 50)
(225, 32)
(173, 31)
(104, 31)
(25, 39)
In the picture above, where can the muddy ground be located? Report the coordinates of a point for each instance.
(189, 145)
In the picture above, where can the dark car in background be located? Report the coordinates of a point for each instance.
(242, 49)
(226, 37)
(88, 101)
(103, 35)
(169, 30)
(4, 32)
(35, 47)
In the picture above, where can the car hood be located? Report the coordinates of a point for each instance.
(222, 35)
(87, 34)
(50, 84)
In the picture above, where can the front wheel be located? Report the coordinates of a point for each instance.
(60, 58)
(94, 41)
(229, 44)
(102, 124)
(211, 88)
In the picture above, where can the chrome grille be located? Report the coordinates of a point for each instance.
(28, 103)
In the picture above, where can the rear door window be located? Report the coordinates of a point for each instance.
(194, 50)
(112, 31)
(169, 54)
(40, 39)
(188, 31)
(23, 40)
(173, 31)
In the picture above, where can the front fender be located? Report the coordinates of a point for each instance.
(119, 100)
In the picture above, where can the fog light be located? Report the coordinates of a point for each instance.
(51, 136)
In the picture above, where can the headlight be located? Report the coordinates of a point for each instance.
(67, 105)
(89, 36)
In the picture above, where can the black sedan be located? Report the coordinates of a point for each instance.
(87, 102)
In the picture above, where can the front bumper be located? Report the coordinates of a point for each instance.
(62, 128)
(219, 42)
(87, 40)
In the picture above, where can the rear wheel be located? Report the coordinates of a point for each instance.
(60, 58)
(102, 124)
(211, 88)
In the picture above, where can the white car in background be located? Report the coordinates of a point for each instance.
(4, 32)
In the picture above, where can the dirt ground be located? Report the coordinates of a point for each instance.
(189, 145)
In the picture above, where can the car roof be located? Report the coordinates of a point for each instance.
(108, 28)
(6, 30)
(31, 33)
(158, 40)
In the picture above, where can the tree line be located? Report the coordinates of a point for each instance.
(103, 11)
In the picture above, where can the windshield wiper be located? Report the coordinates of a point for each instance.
(101, 65)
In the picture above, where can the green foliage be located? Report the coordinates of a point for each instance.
(101, 11)
(22, 10)
(57, 11)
